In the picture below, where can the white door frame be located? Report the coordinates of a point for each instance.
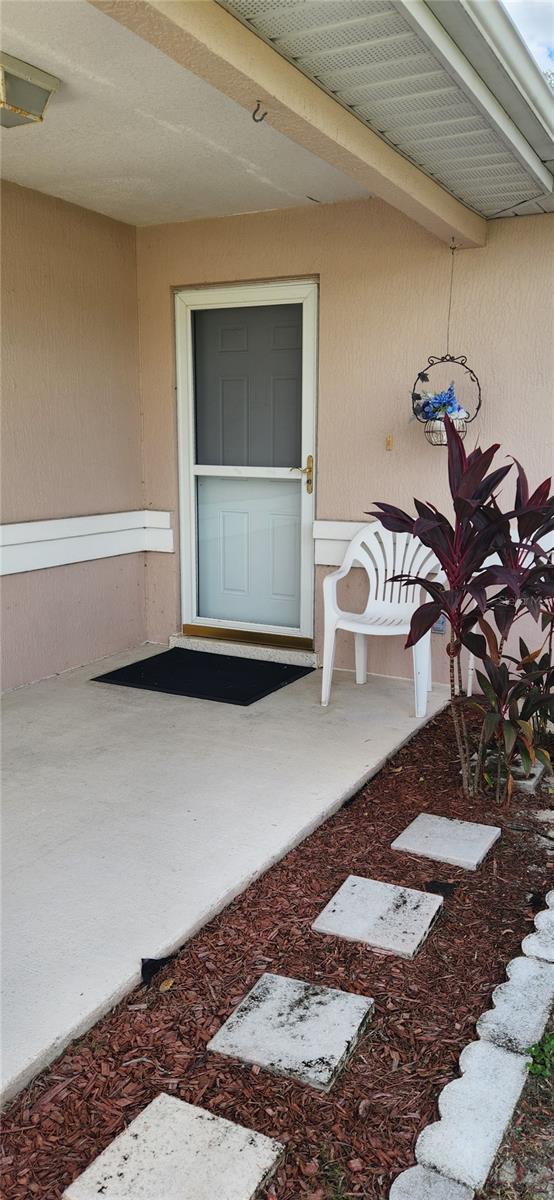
(187, 301)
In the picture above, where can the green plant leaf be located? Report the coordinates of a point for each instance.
(487, 689)
(527, 729)
(509, 730)
(542, 1057)
(490, 724)
(526, 760)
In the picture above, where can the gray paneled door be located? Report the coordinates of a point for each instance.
(248, 386)
(249, 440)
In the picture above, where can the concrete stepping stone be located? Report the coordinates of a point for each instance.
(521, 1006)
(174, 1151)
(475, 1112)
(294, 1028)
(541, 943)
(459, 843)
(419, 1183)
(386, 917)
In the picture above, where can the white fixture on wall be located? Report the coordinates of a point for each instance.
(24, 91)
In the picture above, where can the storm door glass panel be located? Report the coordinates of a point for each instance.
(249, 550)
(248, 386)
(248, 423)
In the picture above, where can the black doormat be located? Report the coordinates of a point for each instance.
(223, 677)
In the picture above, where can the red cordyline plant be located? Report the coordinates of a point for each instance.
(469, 592)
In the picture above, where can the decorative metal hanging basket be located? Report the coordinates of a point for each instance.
(435, 431)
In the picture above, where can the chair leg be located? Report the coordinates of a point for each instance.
(429, 662)
(360, 651)
(421, 671)
(470, 674)
(328, 664)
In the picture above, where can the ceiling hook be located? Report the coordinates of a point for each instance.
(255, 118)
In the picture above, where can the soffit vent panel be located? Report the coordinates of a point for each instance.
(367, 55)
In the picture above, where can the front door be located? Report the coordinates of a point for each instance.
(246, 359)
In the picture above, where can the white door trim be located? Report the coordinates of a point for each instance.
(188, 300)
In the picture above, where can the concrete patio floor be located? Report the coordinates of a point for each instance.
(130, 818)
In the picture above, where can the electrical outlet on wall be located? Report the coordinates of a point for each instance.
(440, 624)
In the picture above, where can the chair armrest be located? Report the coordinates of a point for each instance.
(330, 581)
(330, 589)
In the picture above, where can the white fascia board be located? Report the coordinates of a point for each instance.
(498, 31)
(430, 30)
(487, 36)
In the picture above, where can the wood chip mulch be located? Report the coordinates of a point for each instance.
(353, 1141)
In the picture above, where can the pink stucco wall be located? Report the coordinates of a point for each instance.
(70, 424)
(383, 303)
(72, 415)
(66, 616)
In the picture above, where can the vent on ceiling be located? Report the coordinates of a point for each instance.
(367, 55)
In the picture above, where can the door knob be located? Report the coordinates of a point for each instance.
(308, 471)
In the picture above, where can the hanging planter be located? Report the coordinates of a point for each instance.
(436, 433)
(431, 407)
(460, 399)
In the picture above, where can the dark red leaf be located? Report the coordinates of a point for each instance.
(475, 643)
(478, 594)
(504, 616)
(457, 460)
(541, 494)
(422, 620)
(393, 518)
(474, 474)
(522, 486)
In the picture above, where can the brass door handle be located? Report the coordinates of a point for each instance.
(308, 471)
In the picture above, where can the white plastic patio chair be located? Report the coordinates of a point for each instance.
(390, 605)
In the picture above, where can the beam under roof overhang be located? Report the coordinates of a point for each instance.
(207, 40)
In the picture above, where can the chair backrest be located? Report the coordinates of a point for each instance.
(383, 555)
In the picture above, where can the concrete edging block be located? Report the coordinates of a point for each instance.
(420, 1183)
(474, 1113)
(541, 943)
(521, 1006)
(475, 1110)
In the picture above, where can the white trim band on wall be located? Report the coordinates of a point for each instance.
(35, 545)
(332, 539)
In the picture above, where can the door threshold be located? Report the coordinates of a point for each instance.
(254, 637)
(241, 649)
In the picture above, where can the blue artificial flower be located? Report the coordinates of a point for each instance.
(433, 405)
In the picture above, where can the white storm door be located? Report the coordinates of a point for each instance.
(246, 435)
(249, 551)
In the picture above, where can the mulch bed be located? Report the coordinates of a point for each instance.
(353, 1141)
